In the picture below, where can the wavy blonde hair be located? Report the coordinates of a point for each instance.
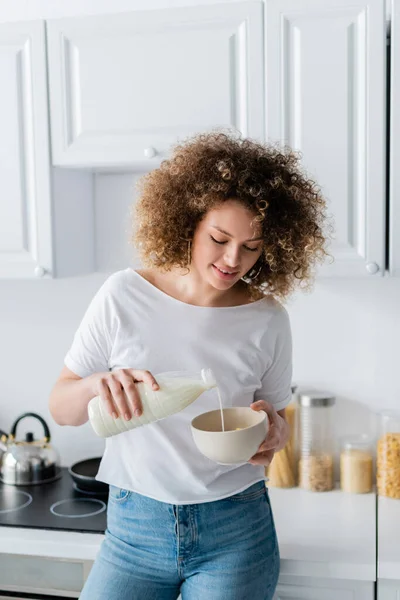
(210, 168)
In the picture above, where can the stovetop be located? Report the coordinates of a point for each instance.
(55, 505)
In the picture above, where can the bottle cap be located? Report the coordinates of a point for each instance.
(208, 377)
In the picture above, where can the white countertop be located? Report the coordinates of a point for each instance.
(326, 534)
(388, 538)
(329, 534)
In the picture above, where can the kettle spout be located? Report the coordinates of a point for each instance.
(3, 441)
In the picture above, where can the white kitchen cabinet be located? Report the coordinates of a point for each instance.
(46, 218)
(25, 202)
(309, 588)
(388, 590)
(42, 575)
(325, 87)
(125, 87)
(388, 548)
(394, 140)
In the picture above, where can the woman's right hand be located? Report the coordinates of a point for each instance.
(119, 393)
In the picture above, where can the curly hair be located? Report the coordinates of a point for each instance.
(209, 168)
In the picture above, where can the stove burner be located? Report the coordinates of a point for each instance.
(12, 499)
(75, 509)
(88, 493)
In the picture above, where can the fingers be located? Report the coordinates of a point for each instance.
(262, 458)
(271, 441)
(146, 377)
(119, 392)
(132, 394)
(119, 397)
(106, 396)
(268, 408)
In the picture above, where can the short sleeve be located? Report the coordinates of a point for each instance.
(92, 344)
(277, 379)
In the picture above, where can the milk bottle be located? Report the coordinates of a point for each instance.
(177, 391)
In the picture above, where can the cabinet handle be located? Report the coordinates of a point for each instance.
(150, 152)
(372, 268)
(39, 271)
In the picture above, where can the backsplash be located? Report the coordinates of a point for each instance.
(345, 334)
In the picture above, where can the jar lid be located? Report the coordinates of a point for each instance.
(361, 440)
(315, 398)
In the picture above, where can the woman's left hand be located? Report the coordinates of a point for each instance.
(277, 436)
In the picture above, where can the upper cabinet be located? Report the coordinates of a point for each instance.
(394, 140)
(125, 87)
(25, 201)
(325, 87)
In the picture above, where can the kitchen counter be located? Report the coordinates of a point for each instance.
(326, 534)
(388, 538)
(330, 535)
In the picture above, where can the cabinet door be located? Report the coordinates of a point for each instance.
(25, 211)
(331, 590)
(388, 590)
(325, 90)
(124, 87)
(394, 136)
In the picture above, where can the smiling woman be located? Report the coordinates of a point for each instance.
(286, 208)
(225, 228)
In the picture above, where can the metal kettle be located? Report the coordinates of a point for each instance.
(29, 461)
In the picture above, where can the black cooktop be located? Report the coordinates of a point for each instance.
(59, 504)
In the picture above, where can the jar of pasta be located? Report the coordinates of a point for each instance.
(282, 472)
(388, 455)
(356, 464)
(316, 441)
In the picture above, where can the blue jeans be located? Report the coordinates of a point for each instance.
(221, 550)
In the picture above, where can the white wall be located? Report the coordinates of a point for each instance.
(345, 333)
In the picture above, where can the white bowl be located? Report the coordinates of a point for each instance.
(245, 430)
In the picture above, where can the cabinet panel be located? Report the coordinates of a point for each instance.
(308, 588)
(394, 136)
(25, 209)
(388, 590)
(124, 87)
(325, 87)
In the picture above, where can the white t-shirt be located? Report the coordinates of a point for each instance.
(132, 324)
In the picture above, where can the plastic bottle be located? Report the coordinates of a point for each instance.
(177, 391)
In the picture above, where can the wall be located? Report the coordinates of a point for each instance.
(345, 333)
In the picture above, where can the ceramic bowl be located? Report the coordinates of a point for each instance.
(245, 429)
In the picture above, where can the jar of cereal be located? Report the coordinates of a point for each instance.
(356, 464)
(388, 455)
(316, 441)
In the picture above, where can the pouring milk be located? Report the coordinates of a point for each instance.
(177, 391)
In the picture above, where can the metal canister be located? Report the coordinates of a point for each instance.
(316, 440)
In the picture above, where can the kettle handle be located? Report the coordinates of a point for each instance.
(38, 417)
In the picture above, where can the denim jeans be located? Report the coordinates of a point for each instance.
(221, 550)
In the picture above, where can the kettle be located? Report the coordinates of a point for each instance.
(28, 461)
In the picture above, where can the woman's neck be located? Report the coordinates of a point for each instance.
(189, 288)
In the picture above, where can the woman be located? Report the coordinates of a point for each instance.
(226, 227)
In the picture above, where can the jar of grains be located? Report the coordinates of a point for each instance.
(316, 441)
(356, 464)
(388, 455)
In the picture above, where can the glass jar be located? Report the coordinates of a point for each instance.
(316, 440)
(388, 455)
(356, 464)
(282, 472)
